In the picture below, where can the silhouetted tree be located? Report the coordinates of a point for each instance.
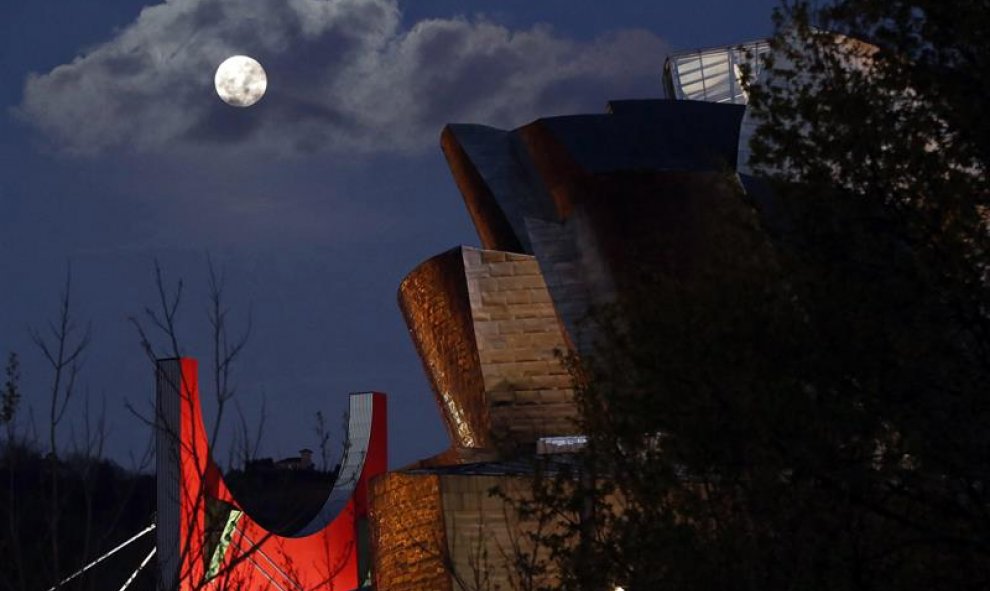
(62, 504)
(11, 396)
(806, 405)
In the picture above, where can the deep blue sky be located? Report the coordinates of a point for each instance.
(114, 152)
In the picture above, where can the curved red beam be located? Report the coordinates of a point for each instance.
(206, 541)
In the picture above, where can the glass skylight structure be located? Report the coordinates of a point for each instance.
(715, 76)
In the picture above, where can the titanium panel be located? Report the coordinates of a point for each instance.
(435, 304)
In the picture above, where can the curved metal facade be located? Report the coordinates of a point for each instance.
(592, 197)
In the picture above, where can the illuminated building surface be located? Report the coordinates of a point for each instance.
(568, 210)
(486, 329)
(206, 541)
(593, 197)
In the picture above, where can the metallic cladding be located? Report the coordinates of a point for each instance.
(490, 217)
(408, 534)
(434, 301)
(587, 194)
(499, 185)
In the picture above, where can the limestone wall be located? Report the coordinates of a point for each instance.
(447, 532)
(518, 334)
(488, 333)
(485, 537)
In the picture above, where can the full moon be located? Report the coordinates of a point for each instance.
(240, 81)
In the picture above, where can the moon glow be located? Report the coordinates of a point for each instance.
(240, 81)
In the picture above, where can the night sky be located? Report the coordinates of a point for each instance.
(115, 151)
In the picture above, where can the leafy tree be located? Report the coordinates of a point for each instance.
(878, 153)
(806, 405)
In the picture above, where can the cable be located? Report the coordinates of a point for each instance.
(257, 548)
(143, 564)
(267, 576)
(105, 556)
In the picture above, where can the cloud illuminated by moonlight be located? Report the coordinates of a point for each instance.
(345, 76)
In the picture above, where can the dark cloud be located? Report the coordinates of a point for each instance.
(343, 77)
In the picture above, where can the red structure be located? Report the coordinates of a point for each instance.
(205, 539)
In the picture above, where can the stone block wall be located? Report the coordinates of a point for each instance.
(489, 336)
(447, 532)
(485, 537)
(519, 337)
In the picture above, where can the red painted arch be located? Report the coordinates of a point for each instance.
(205, 541)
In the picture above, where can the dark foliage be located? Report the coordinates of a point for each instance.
(806, 406)
(101, 505)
